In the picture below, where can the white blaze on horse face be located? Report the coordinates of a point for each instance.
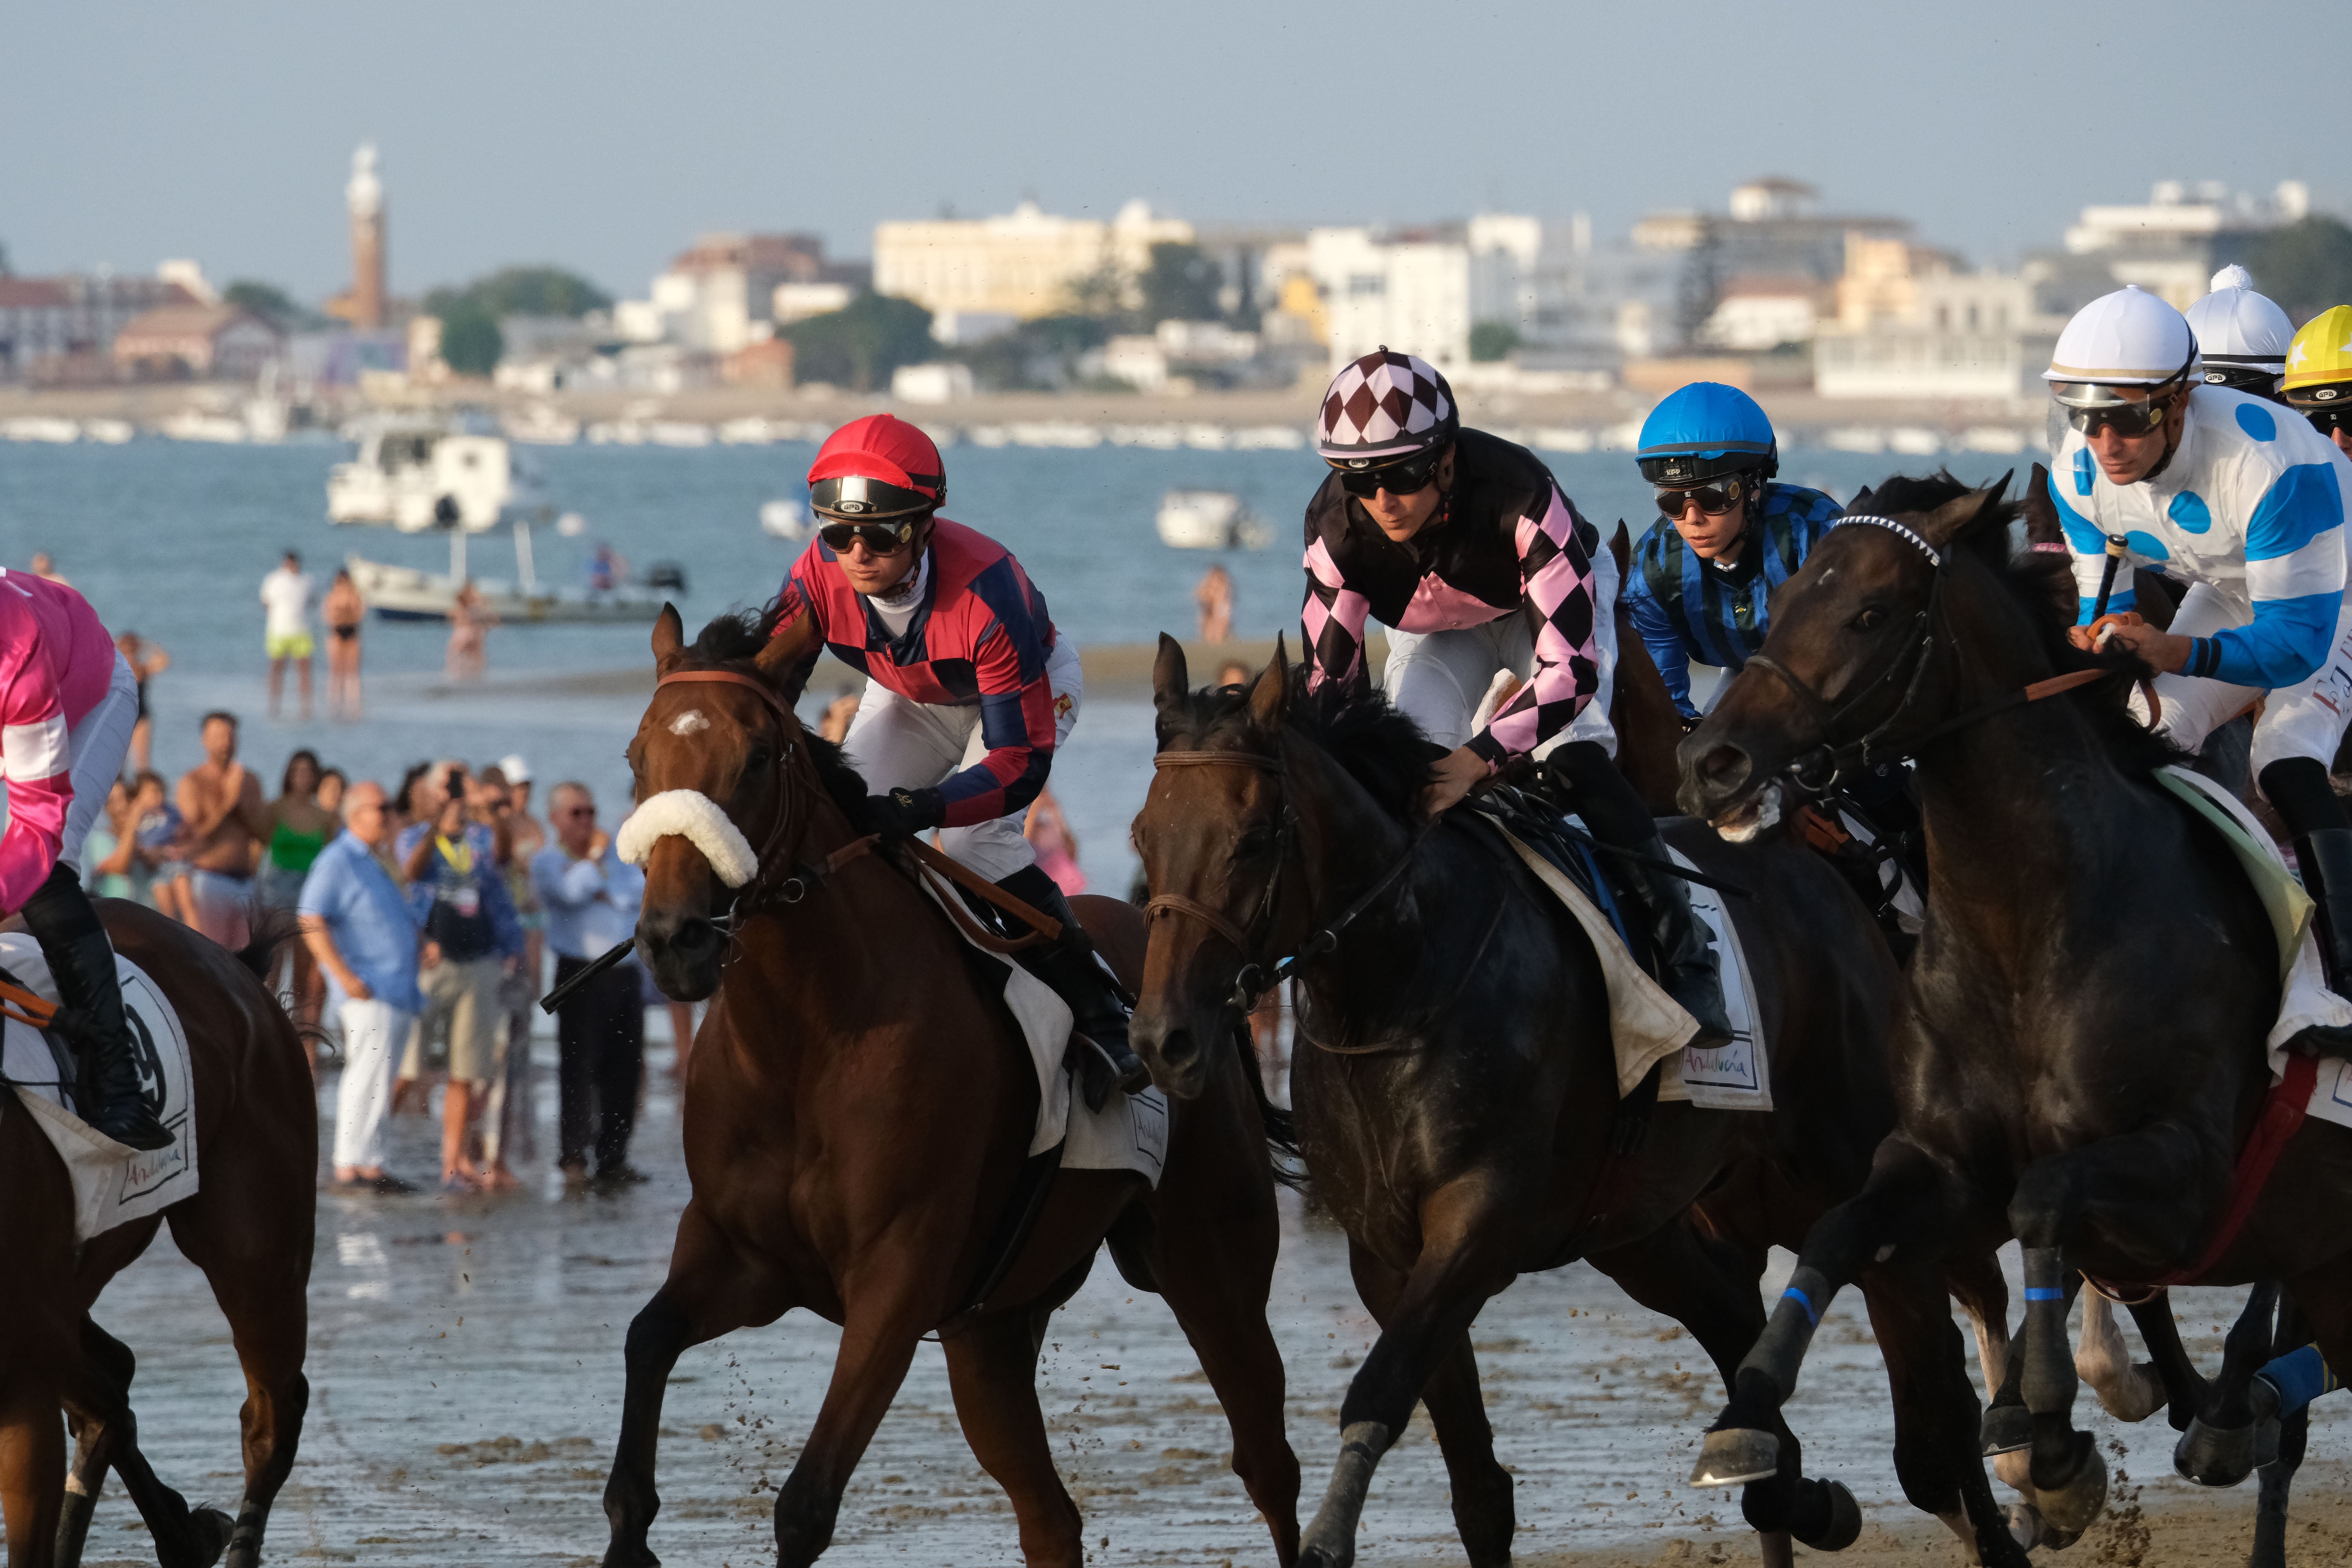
(688, 722)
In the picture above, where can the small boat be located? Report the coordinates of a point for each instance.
(406, 594)
(418, 473)
(784, 518)
(1210, 520)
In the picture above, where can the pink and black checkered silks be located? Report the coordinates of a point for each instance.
(1385, 404)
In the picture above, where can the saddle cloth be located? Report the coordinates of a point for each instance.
(1128, 1133)
(1649, 1026)
(2304, 996)
(111, 1185)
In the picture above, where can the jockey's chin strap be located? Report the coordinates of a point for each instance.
(1820, 768)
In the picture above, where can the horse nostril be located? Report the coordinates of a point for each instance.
(1725, 767)
(1176, 1050)
(695, 936)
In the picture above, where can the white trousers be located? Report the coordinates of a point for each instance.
(1439, 679)
(895, 742)
(373, 1033)
(2306, 719)
(95, 748)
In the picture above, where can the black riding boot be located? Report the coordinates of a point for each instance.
(81, 961)
(1097, 1007)
(2298, 787)
(1599, 794)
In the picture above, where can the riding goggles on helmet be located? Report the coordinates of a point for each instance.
(2125, 417)
(2092, 405)
(1407, 475)
(1712, 499)
(857, 497)
(879, 538)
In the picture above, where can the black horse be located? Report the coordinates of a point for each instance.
(2079, 1054)
(1458, 1104)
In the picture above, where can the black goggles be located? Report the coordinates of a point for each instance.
(1407, 475)
(2329, 421)
(879, 538)
(2125, 417)
(1712, 499)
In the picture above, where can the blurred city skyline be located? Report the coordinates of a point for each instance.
(601, 138)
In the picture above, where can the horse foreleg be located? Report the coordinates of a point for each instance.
(2277, 1478)
(878, 1337)
(2219, 1449)
(32, 1465)
(1465, 1227)
(2129, 1391)
(262, 1291)
(2160, 1330)
(992, 1372)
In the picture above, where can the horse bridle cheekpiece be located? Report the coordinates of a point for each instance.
(794, 888)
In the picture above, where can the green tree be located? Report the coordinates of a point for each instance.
(538, 291)
(860, 344)
(470, 340)
(1180, 285)
(1040, 355)
(1101, 295)
(269, 303)
(1491, 341)
(2307, 266)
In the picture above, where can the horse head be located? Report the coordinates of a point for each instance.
(1214, 834)
(1850, 657)
(715, 759)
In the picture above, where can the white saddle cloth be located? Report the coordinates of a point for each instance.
(1649, 1026)
(1128, 1133)
(111, 1185)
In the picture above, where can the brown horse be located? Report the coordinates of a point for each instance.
(857, 1112)
(249, 1227)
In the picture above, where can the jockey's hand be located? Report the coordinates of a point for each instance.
(2160, 649)
(1451, 777)
(901, 814)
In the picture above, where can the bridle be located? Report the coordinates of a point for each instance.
(1818, 769)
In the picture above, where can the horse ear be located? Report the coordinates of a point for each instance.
(1861, 502)
(2040, 517)
(669, 636)
(1269, 698)
(791, 642)
(1620, 546)
(1954, 517)
(1171, 681)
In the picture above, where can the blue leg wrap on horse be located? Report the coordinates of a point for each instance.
(2300, 1377)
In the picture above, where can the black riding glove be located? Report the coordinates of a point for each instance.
(903, 813)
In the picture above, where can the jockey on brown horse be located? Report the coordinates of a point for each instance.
(969, 690)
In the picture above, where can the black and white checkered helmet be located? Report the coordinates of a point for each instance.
(1384, 406)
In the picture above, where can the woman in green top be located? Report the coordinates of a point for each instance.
(298, 828)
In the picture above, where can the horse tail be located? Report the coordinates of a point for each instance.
(267, 930)
(1283, 1157)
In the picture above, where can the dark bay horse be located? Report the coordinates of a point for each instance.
(1457, 1104)
(857, 1113)
(2080, 1051)
(249, 1227)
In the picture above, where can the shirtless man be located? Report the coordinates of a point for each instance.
(226, 822)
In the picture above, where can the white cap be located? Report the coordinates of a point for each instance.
(2128, 337)
(2236, 326)
(518, 772)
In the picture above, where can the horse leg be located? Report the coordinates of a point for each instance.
(1464, 1224)
(32, 1465)
(710, 1292)
(1484, 1507)
(2277, 1478)
(2219, 1449)
(97, 1397)
(2160, 1330)
(2130, 1392)
(880, 1329)
(993, 1369)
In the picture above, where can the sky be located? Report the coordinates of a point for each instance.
(604, 136)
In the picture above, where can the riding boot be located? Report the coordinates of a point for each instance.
(1598, 793)
(2298, 788)
(1078, 976)
(90, 1014)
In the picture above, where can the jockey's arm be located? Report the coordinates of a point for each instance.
(1331, 621)
(1556, 552)
(1659, 633)
(1016, 724)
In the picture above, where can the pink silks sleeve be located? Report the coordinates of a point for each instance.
(1555, 552)
(34, 757)
(1331, 621)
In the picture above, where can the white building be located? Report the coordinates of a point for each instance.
(1410, 293)
(721, 293)
(2171, 244)
(1021, 264)
(1756, 315)
(1981, 336)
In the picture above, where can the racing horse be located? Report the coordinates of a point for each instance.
(856, 1114)
(1458, 1108)
(2080, 1051)
(249, 1227)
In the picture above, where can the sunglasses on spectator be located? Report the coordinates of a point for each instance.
(1409, 477)
(879, 538)
(1712, 499)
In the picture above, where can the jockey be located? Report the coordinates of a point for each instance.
(67, 704)
(1465, 548)
(2242, 337)
(2318, 383)
(2246, 503)
(968, 689)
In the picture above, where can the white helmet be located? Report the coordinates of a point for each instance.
(2128, 337)
(2242, 337)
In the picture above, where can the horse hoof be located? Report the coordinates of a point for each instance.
(211, 1531)
(2006, 1429)
(1735, 1456)
(2075, 1504)
(2217, 1456)
(1845, 1526)
(2025, 1526)
(1342, 1556)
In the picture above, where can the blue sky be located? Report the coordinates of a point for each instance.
(605, 136)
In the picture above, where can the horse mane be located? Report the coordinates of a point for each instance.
(2040, 585)
(737, 638)
(1374, 744)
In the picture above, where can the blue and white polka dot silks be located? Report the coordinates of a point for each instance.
(2251, 503)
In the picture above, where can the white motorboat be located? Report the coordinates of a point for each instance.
(406, 594)
(784, 518)
(1210, 520)
(418, 473)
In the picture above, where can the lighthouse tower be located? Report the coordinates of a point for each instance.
(364, 197)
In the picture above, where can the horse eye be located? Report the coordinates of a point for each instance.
(1255, 841)
(759, 758)
(1869, 620)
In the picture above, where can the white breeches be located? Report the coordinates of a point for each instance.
(2306, 719)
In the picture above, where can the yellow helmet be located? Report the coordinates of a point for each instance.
(2319, 360)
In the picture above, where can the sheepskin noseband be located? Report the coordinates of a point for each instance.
(695, 817)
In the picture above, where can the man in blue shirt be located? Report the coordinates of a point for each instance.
(592, 898)
(357, 922)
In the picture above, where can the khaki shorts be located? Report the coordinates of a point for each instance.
(461, 1003)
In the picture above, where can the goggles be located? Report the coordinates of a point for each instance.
(1405, 476)
(2329, 421)
(1712, 499)
(879, 538)
(2126, 419)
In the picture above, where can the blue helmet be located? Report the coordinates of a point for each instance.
(1703, 431)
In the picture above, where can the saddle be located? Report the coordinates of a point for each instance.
(1540, 823)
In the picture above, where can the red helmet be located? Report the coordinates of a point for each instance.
(876, 467)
